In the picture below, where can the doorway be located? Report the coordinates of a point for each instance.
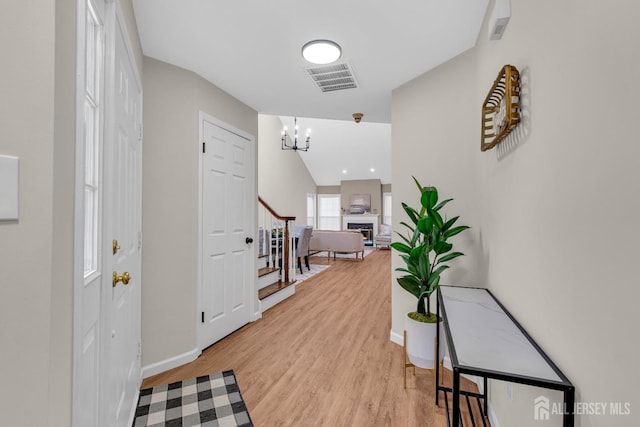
(106, 307)
(228, 206)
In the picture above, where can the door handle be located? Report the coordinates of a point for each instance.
(248, 240)
(124, 278)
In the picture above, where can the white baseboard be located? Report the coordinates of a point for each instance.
(173, 362)
(397, 338)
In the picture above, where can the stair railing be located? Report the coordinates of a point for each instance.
(274, 240)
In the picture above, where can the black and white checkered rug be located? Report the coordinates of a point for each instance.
(209, 401)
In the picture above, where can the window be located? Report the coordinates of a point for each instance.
(311, 210)
(329, 211)
(386, 208)
(92, 140)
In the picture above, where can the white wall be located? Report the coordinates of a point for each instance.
(554, 231)
(37, 124)
(27, 131)
(283, 178)
(173, 99)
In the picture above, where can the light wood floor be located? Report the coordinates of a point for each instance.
(323, 357)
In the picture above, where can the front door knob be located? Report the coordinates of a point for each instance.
(248, 240)
(124, 278)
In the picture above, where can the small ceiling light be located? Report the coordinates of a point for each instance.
(344, 171)
(321, 51)
(372, 170)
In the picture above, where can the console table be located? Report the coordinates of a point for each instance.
(485, 340)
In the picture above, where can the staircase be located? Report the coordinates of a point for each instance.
(276, 256)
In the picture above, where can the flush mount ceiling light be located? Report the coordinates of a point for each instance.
(321, 51)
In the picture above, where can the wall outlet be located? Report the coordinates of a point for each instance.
(510, 391)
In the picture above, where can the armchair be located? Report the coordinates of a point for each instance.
(383, 238)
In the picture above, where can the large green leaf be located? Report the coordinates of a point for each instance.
(420, 187)
(449, 223)
(408, 242)
(411, 264)
(423, 264)
(425, 225)
(401, 247)
(411, 285)
(439, 270)
(413, 214)
(416, 252)
(429, 198)
(455, 230)
(415, 237)
(441, 204)
(404, 270)
(442, 247)
(433, 285)
(436, 218)
(449, 257)
(410, 227)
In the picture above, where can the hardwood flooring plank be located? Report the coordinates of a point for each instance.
(323, 357)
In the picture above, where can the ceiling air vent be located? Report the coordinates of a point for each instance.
(333, 77)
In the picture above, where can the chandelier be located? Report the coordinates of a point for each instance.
(295, 146)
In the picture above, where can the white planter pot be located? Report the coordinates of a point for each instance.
(420, 342)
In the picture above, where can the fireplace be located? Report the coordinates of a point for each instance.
(366, 228)
(367, 222)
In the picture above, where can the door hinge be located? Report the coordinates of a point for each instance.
(139, 240)
(203, 317)
(141, 132)
(203, 148)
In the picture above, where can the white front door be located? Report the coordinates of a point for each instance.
(89, 327)
(228, 212)
(107, 319)
(123, 239)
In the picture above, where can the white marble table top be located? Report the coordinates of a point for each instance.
(485, 337)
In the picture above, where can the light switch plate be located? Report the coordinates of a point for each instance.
(9, 188)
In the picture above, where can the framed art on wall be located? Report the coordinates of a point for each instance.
(359, 204)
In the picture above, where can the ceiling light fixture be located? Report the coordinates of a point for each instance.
(321, 51)
(295, 147)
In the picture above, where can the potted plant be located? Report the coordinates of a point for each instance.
(425, 249)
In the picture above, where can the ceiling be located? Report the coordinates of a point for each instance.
(252, 50)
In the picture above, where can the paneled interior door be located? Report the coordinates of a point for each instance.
(228, 212)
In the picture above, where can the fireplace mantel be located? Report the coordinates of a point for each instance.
(362, 219)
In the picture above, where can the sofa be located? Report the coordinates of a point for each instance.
(337, 242)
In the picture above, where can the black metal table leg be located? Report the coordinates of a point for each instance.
(456, 398)
(437, 351)
(569, 402)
